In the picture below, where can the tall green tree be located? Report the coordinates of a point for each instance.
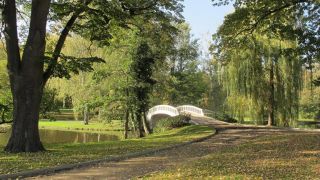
(180, 80)
(215, 96)
(29, 74)
(263, 75)
(142, 71)
(285, 21)
(154, 45)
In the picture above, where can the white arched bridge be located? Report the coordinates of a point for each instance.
(160, 111)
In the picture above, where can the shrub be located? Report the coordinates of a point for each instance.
(224, 117)
(172, 122)
(49, 103)
(5, 113)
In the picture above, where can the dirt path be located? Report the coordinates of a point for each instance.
(228, 135)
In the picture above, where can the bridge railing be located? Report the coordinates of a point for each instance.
(209, 113)
(191, 109)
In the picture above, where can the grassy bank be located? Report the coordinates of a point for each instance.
(59, 154)
(75, 126)
(276, 157)
(79, 126)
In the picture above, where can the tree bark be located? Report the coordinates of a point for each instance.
(271, 104)
(99, 115)
(135, 129)
(146, 125)
(85, 115)
(127, 113)
(64, 102)
(140, 124)
(26, 76)
(126, 124)
(25, 134)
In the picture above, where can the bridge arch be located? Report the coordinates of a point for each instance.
(162, 109)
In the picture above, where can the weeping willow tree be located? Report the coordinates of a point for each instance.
(263, 46)
(262, 78)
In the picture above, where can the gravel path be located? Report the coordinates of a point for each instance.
(227, 135)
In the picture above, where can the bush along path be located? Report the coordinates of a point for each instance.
(219, 156)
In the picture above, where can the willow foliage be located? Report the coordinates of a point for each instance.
(258, 69)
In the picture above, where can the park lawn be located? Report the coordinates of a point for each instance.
(307, 119)
(59, 154)
(79, 126)
(276, 157)
(4, 127)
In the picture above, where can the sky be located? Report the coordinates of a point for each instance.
(204, 19)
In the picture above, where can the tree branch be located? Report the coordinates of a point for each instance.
(35, 44)
(136, 10)
(254, 26)
(58, 48)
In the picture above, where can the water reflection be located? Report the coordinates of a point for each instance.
(58, 136)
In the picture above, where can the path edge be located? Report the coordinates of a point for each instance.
(66, 167)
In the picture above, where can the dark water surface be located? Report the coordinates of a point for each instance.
(309, 124)
(60, 136)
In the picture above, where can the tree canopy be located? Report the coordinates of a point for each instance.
(31, 65)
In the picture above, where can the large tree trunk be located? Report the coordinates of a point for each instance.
(26, 76)
(25, 133)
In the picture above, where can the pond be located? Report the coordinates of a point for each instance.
(309, 124)
(60, 136)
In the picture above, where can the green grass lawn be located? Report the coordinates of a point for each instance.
(276, 157)
(306, 119)
(79, 126)
(59, 154)
(4, 127)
